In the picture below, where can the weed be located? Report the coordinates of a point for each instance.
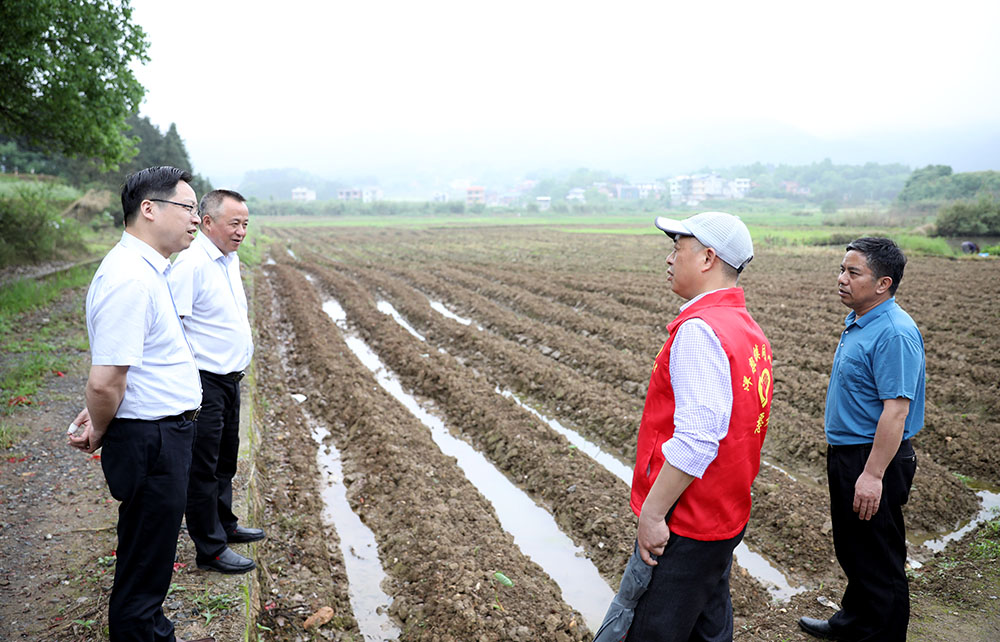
(209, 605)
(10, 434)
(987, 544)
(965, 479)
(504, 581)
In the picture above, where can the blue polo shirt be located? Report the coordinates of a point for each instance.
(880, 356)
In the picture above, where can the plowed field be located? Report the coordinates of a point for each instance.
(570, 324)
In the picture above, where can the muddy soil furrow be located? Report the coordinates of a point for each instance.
(792, 293)
(791, 296)
(625, 259)
(575, 489)
(598, 309)
(627, 340)
(588, 356)
(300, 551)
(607, 415)
(597, 527)
(439, 539)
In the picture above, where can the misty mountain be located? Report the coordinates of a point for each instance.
(417, 165)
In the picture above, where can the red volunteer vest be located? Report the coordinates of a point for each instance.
(717, 506)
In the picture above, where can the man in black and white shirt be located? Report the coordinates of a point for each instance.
(205, 281)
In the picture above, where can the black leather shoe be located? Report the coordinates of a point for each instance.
(228, 562)
(243, 535)
(819, 628)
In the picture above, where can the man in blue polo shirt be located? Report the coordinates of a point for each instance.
(874, 405)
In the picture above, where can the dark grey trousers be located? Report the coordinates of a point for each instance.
(688, 596)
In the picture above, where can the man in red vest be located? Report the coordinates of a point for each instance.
(702, 428)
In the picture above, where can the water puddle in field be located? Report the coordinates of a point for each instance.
(439, 307)
(534, 530)
(386, 308)
(757, 565)
(592, 450)
(989, 509)
(357, 543)
(778, 468)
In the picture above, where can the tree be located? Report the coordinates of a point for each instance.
(174, 152)
(65, 81)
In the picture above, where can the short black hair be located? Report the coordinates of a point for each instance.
(213, 201)
(883, 256)
(158, 182)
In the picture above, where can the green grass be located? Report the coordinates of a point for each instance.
(22, 379)
(253, 249)
(10, 434)
(31, 358)
(26, 294)
(784, 225)
(987, 543)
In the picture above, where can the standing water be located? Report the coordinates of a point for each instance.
(357, 544)
(757, 565)
(534, 530)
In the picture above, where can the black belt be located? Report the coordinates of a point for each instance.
(846, 447)
(190, 415)
(234, 376)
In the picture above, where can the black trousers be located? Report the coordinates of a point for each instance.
(146, 465)
(876, 603)
(213, 465)
(688, 596)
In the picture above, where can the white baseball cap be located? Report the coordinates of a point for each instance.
(724, 233)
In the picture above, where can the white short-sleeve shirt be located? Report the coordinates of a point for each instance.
(131, 321)
(209, 295)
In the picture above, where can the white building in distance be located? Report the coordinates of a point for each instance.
(303, 194)
(365, 194)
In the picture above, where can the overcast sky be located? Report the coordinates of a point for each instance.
(362, 87)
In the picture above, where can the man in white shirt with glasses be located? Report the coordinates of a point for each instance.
(142, 396)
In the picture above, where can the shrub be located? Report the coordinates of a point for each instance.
(31, 229)
(970, 218)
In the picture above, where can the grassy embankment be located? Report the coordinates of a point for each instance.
(56, 337)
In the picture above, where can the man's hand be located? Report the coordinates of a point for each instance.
(652, 536)
(867, 494)
(85, 438)
(888, 434)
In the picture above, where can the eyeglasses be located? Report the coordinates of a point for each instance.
(192, 209)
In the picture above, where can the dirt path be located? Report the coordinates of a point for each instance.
(57, 518)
